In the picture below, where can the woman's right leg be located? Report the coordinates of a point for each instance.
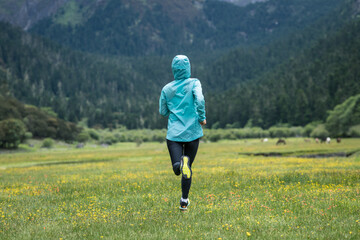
(190, 150)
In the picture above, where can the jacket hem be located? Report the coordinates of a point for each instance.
(184, 140)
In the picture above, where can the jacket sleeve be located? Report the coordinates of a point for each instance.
(163, 108)
(199, 100)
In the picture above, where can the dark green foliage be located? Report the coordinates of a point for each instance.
(83, 137)
(10, 108)
(297, 91)
(12, 133)
(354, 131)
(309, 128)
(294, 79)
(28, 135)
(278, 132)
(38, 123)
(93, 134)
(74, 85)
(169, 27)
(42, 125)
(320, 132)
(47, 143)
(344, 116)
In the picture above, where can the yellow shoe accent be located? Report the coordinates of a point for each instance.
(185, 168)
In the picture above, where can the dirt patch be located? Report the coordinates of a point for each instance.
(302, 155)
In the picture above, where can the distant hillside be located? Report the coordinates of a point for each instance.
(76, 85)
(155, 27)
(243, 2)
(297, 91)
(25, 13)
(293, 78)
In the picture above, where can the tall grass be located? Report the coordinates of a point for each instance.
(130, 192)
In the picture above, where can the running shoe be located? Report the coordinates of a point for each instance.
(184, 205)
(185, 167)
(176, 168)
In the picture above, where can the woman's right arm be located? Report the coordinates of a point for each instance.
(163, 108)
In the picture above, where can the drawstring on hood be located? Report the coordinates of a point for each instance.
(181, 67)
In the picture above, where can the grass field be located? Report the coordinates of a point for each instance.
(130, 192)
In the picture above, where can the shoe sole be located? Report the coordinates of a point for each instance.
(185, 208)
(185, 167)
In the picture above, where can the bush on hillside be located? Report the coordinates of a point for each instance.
(279, 132)
(344, 116)
(47, 143)
(12, 133)
(354, 131)
(307, 130)
(94, 134)
(83, 137)
(320, 132)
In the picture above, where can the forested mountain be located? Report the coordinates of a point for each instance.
(243, 2)
(299, 91)
(25, 13)
(305, 65)
(155, 27)
(79, 86)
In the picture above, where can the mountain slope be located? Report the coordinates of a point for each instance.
(298, 91)
(25, 13)
(80, 86)
(158, 27)
(294, 79)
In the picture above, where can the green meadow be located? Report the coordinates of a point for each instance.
(127, 191)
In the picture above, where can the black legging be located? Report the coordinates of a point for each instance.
(177, 150)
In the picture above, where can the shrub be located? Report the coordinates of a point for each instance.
(12, 133)
(138, 141)
(354, 131)
(83, 137)
(120, 137)
(108, 139)
(344, 116)
(94, 134)
(28, 135)
(307, 130)
(48, 143)
(214, 137)
(159, 137)
(279, 132)
(320, 132)
(216, 125)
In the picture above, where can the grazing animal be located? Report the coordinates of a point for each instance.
(317, 140)
(307, 140)
(281, 141)
(264, 140)
(328, 140)
(338, 140)
(80, 145)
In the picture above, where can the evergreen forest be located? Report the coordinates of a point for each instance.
(265, 64)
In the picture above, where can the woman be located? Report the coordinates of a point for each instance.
(183, 102)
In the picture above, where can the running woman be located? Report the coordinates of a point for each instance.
(183, 102)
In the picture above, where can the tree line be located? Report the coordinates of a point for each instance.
(291, 81)
(139, 28)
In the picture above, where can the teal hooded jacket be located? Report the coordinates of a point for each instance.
(183, 102)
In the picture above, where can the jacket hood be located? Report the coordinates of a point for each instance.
(181, 67)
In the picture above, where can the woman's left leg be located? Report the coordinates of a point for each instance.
(176, 150)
